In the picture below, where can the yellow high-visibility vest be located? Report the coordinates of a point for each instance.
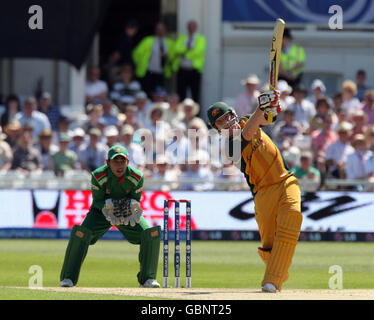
(295, 55)
(195, 54)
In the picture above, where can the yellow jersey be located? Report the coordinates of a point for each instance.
(260, 161)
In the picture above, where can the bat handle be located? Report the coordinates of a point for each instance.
(269, 115)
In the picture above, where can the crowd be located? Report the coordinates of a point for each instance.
(126, 102)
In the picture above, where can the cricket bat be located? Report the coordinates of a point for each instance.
(275, 53)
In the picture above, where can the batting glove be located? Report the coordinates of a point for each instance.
(269, 98)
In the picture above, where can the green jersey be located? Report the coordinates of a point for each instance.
(105, 185)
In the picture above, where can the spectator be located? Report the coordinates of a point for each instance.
(190, 110)
(359, 120)
(173, 113)
(13, 131)
(111, 134)
(109, 116)
(318, 91)
(303, 109)
(246, 102)
(156, 115)
(232, 173)
(64, 160)
(142, 104)
(286, 129)
(93, 154)
(306, 170)
(26, 158)
(356, 161)
(323, 108)
(12, 107)
(77, 142)
(159, 94)
(292, 60)
(167, 173)
(367, 106)
(131, 117)
(52, 112)
(46, 148)
(123, 51)
(63, 126)
(337, 152)
(292, 156)
(199, 172)
(6, 153)
(94, 111)
(349, 90)
(337, 102)
(95, 88)
(285, 90)
(124, 91)
(153, 58)
(136, 152)
(369, 169)
(189, 61)
(177, 147)
(38, 120)
(321, 139)
(361, 84)
(370, 138)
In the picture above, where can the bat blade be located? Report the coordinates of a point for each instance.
(275, 52)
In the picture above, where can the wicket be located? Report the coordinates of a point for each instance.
(177, 243)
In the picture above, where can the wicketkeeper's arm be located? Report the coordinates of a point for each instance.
(98, 194)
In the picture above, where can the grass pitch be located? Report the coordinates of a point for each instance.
(215, 264)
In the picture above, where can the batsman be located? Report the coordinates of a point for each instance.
(275, 190)
(116, 191)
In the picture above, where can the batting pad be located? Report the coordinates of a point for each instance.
(149, 253)
(75, 253)
(280, 258)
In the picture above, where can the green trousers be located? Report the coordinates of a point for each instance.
(94, 227)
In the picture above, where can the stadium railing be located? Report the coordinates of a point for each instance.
(81, 180)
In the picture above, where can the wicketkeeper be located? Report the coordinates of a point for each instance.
(116, 191)
(275, 190)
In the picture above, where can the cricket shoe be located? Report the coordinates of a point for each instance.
(150, 283)
(66, 283)
(269, 287)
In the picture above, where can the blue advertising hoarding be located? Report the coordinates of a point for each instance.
(297, 11)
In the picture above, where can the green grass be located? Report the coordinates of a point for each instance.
(215, 264)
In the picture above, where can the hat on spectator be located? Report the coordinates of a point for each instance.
(63, 118)
(306, 154)
(359, 114)
(163, 106)
(111, 131)
(292, 155)
(64, 137)
(284, 87)
(251, 79)
(13, 125)
(45, 95)
(121, 117)
(344, 127)
(78, 132)
(317, 83)
(28, 126)
(189, 102)
(349, 85)
(95, 132)
(358, 138)
(160, 91)
(300, 88)
(141, 95)
(127, 129)
(45, 133)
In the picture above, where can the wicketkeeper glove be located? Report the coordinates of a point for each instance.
(136, 212)
(108, 212)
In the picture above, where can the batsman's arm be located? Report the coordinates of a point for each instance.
(98, 194)
(254, 122)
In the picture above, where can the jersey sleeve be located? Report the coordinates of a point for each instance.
(136, 192)
(98, 194)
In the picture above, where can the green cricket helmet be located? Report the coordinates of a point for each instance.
(218, 110)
